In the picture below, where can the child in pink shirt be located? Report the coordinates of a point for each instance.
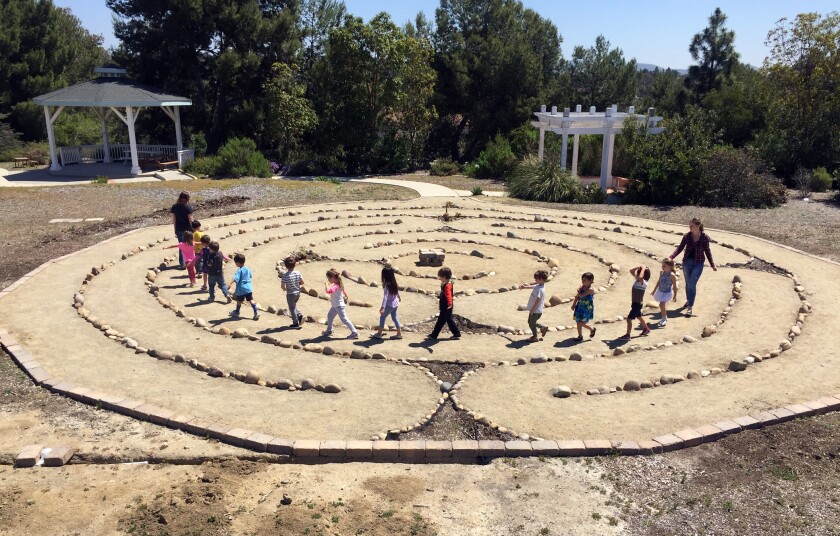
(338, 296)
(185, 246)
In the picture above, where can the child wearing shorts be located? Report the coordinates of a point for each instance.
(641, 276)
(244, 287)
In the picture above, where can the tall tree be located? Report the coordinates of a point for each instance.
(803, 71)
(496, 62)
(42, 48)
(714, 51)
(372, 91)
(317, 19)
(600, 76)
(290, 114)
(218, 53)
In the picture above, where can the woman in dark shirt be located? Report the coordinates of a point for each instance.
(696, 245)
(182, 220)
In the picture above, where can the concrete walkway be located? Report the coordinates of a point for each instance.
(426, 189)
(83, 174)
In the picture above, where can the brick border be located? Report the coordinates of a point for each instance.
(408, 451)
(412, 451)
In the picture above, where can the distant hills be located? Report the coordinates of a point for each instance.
(652, 67)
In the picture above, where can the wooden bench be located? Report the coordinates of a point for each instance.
(22, 162)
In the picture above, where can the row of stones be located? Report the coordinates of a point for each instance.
(249, 377)
(411, 450)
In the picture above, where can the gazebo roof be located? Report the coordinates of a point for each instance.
(105, 92)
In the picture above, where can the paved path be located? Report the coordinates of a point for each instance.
(426, 189)
(44, 177)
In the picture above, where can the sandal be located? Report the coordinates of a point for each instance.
(592, 333)
(579, 338)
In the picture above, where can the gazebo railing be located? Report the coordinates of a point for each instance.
(121, 152)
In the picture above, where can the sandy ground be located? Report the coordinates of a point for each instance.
(682, 493)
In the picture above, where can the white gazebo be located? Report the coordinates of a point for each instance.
(110, 93)
(607, 124)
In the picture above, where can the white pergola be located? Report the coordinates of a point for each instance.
(607, 124)
(110, 93)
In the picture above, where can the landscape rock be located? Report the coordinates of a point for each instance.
(736, 366)
(632, 385)
(332, 388)
(561, 391)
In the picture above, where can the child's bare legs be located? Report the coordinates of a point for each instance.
(204, 281)
(663, 313)
(643, 324)
(581, 325)
(629, 328)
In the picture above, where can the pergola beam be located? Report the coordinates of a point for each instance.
(50, 119)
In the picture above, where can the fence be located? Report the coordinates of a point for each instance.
(120, 152)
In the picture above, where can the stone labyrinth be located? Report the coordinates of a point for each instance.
(116, 325)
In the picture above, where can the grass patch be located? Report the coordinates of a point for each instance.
(783, 472)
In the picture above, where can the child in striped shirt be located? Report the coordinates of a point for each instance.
(291, 282)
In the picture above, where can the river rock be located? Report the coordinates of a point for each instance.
(357, 354)
(736, 366)
(252, 377)
(328, 350)
(709, 330)
(332, 388)
(307, 384)
(445, 387)
(575, 356)
(555, 300)
(241, 333)
(283, 384)
(694, 375)
(632, 385)
(561, 391)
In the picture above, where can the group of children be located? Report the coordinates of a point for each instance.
(199, 250)
(664, 292)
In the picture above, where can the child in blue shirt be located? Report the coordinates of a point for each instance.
(244, 288)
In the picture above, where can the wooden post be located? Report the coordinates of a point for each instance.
(132, 140)
(54, 165)
(106, 146)
(179, 143)
(606, 149)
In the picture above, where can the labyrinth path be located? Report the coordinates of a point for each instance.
(116, 325)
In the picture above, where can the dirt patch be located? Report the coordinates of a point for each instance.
(777, 480)
(452, 424)
(450, 372)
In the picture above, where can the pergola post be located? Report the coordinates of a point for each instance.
(50, 118)
(564, 149)
(541, 148)
(575, 146)
(106, 146)
(606, 150)
(132, 139)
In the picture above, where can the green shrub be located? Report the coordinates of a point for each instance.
(525, 140)
(593, 194)
(496, 161)
(821, 180)
(239, 157)
(203, 166)
(536, 180)
(99, 179)
(331, 180)
(37, 151)
(443, 166)
(9, 140)
(477, 190)
(736, 178)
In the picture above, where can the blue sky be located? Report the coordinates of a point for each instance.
(652, 31)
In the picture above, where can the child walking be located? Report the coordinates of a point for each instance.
(641, 276)
(584, 306)
(202, 259)
(334, 287)
(445, 304)
(216, 272)
(243, 279)
(536, 304)
(390, 302)
(198, 234)
(665, 290)
(187, 251)
(291, 283)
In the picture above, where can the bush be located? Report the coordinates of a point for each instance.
(821, 180)
(207, 166)
(737, 178)
(9, 140)
(536, 180)
(803, 178)
(239, 157)
(496, 161)
(477, 190)
(443, 167)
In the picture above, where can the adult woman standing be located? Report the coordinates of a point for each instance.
(182, 219)
(696, 245)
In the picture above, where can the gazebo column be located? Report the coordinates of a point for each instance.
(103, 114)
(541, 148)
(179, 141)
(54, 165)
(132, 140)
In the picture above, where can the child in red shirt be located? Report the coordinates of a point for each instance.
(446, 302)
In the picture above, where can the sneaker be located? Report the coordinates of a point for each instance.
(235, 312)
(645, 332)
(431, 337)
(396, 336)
(300, 318)
(579, 338)
(689, 312)
(256, 316)
(624, 338)
(543, 330)
(229, 299)
(326, 333)
(203, 287)
(353, 336)
(378, 336)
(592, 333)
(662, 323)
